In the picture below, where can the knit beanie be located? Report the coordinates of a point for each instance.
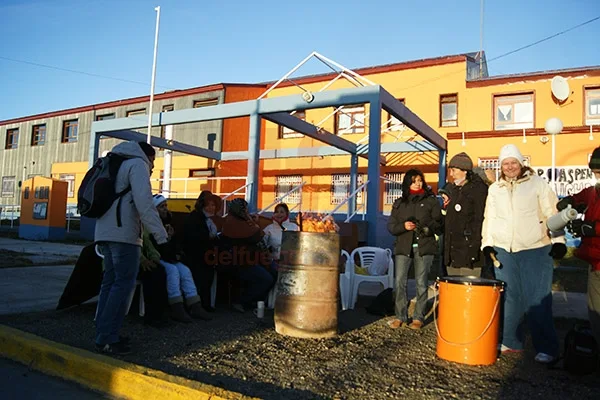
(158, 199)
(461, 161)
(595, 159)
(510, 151)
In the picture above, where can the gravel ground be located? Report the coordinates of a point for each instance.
(366, 361)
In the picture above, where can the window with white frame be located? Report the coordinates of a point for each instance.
(8, 186)
(70, 179)
(393, 187)
(287, 133)
(340, 188)
(394, 124)
(513, 111)
(449, 110)
(492, 164)
(350, 119)
(284, 184)
(592, 106)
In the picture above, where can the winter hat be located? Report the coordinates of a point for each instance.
(147, 149)
(510, 151)
(461, 161)
(158, 199)
(595, 159)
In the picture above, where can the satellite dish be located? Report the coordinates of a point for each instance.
(560, 88)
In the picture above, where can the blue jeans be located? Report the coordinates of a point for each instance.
(528, 278)
(257, 283)
(121, 265)
(179, 279)
(422, 265)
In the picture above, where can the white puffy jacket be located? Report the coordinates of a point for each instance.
(516, 214)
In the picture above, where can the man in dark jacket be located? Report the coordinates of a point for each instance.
(464, 218)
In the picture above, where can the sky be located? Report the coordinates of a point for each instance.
(57, 54)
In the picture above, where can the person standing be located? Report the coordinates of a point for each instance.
(587, 201)
(514, 231)
(415, 220)
(119, 235)
(464, 217)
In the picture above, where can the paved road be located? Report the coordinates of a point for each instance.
(19, 383)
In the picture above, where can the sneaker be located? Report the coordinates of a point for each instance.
(118, 349)
(505, 349)
(544, 358)
(416, 324)
(395, 323)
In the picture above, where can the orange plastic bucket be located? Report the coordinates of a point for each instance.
(467, 319)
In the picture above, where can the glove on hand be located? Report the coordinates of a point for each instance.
(558, 251)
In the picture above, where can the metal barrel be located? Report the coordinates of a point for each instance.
(306, 305)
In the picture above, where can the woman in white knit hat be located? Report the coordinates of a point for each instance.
(514, 230)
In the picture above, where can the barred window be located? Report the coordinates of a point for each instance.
(340, 188)
(285, 183)
(393, 190)
(491, 163)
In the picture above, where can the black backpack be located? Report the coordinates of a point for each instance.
(581, 350)
(97, 191)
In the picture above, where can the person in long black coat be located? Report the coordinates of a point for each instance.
(415, 220)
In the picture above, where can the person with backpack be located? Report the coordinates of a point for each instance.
(118, 233)
(587, 202)
(415, 220)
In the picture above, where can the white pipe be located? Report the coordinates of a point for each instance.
(323, 58)
(166, 189)
(554, 163)
(149, 139)
(283, 78)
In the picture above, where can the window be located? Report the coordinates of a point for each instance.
(340, 188)
(8, 186)
(491, 163)
(350, 119)
(592, 106)
(131, 113)
(38, 135)
(161, 180)
(285, 183)
(12, 138)
(393, 187)
(394, 124)
(205, 103)
(70, 179)
(201, 173)
(165, 108)
(104, 117)
(69, 133)
(513, 111)
(286, 133)
(448, 110)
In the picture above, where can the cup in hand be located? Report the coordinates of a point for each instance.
(259, 311)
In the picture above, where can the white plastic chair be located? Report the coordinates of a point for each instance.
(346, 280)
(366, 256)
(142, 305)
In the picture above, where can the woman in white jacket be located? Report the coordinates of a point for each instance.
(274, 232)
(514, 230)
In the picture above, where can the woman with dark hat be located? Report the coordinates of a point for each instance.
(201, 243)
(464, 217)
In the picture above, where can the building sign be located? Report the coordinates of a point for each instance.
(570, 179)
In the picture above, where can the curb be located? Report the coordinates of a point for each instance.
(101, 373)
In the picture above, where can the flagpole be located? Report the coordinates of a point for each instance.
(149, 139)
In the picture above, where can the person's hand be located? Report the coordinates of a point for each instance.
(558, 251)
(446, 200)
(147, 265)
(409, 226)
(564, 203)
(580, 228)
(488, 251)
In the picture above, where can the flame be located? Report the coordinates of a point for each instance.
(318, 223)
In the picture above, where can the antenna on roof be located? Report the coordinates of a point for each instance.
(481, 41)
(560, 89)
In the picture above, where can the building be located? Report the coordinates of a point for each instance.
(476, 113)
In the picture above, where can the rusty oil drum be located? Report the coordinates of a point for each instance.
(306, 305)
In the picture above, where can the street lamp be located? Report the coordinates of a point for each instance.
(553, 127)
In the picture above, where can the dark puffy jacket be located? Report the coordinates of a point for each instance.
(425, 208)
(464, 218)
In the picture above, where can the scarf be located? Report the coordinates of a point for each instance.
(417, 192)
(212, 228)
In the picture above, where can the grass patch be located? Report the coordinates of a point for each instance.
(9, 259)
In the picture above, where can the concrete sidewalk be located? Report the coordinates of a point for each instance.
(41, 248)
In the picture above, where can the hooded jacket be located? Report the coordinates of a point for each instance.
(136, 205)
(590, 245)
(516, 214)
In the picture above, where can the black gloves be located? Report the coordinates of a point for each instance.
(564, 203)
(579, 228)
(558, 251)
(488, 251)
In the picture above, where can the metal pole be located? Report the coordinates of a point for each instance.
(553, 172)
(157, 9)
(481, 41)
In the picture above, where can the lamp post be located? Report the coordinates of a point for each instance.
(149, 138)
(553, 127)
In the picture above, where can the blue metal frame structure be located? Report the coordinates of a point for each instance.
(277, 109)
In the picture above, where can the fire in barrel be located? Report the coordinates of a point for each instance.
(306, 305)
